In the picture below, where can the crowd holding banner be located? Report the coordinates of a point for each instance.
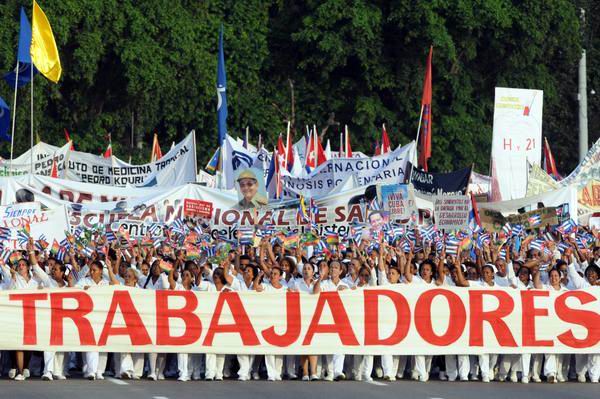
(341, 275)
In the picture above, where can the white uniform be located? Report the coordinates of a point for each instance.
(487, 362)
(334, 363)
(54, 362)
(245, 361)
(422, 362)
(274, 363)
(94, 363)
(156, 361)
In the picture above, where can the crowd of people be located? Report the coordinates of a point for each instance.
(513, 261)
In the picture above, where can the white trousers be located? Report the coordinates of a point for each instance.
(509, 363)
(362, 366)
(156, 363)
(54, 363)
(274, 364)
(393, 365)
(94, 363)
(291, 365)
(554, 364)
(487, 362)
(457, 366)
(131, 363)
(245, 362)
(214, 366)
(189, 365)
(594, 367)
(423, 365)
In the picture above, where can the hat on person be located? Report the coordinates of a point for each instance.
(247, 174)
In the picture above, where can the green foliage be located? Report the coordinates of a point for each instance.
(361, 60)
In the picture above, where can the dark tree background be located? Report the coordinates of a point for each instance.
(359, 63)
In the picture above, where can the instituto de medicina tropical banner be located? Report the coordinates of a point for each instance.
(378, 320)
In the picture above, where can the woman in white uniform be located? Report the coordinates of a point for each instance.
(54, 362)
(306, 284)
(334, 363)
(94, 362)
(20, 280)
(156, 280)
(363, 364)
(393, 365)
(274, 363)
(425, 278)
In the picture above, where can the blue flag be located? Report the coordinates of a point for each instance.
(4, 121)
(221, 92)
(23, 55)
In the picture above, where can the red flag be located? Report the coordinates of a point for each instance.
(385, 141)
(475, 210)
(156, 152)
(549, 164)
(108, 152)
(289, 146)
(425, 137)
(68, 138)
(54, 170)
(377, 148)
(315, 155)
(348, 149)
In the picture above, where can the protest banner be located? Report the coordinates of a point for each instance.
(176, 167)
(441, 183)
(398, 200)
(451, 212)
(538, 218)
(43, 157)
(388, 168)
(588, 197)
(539, 182)
(36, 223)
(407, 320)
(517, 139)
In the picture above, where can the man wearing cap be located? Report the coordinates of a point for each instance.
(248, 187)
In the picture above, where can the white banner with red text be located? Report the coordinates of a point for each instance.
(402, 320)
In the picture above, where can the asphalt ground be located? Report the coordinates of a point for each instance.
(77, 387)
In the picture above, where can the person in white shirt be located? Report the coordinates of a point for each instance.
(306, 284)
(334, 363)
(94, 362)
(362, 365)
(54, 362)
(20, 279)
(274, 363)
(156, 280)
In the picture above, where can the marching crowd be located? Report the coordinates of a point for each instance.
(561, 263)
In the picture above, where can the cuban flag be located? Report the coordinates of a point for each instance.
(535, 220)
(517, 230)
(246, 235)
(567, 227)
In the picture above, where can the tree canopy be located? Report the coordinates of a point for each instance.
(359, 63)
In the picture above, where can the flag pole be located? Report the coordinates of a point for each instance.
(31, 106)
(417, 142)
(12, 135)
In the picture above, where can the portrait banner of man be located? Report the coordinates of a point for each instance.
(250, 186)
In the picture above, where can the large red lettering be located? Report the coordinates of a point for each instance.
(193, 326)
(241, 325)
(456, 321)
(528, 315)
(29, 319)
(134, 326)
(494, 318)
(371, 298)
(59, 313)
(293, 323)
(341, 323)
(586, 318)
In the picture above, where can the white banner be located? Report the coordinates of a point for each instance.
(176, 167)
(399, 320)
(451, 211)
(49, 224)
(517, 138)
(43, 157)
(390, 168)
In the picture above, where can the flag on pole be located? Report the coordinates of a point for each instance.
(23, 55)
(221, 91)
(44, 52)
(213, 164)
(348, 148)
(549, 164)
(385, 141)
(156, 152)
(289, 154)
(425, 138)
(4, 121)
(54, 171)
(108, 152)
(315, 155)
(68, 138)
(377, 148)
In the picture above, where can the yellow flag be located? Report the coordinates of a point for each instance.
(44, 53)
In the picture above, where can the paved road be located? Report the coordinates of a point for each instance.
(229, 389)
